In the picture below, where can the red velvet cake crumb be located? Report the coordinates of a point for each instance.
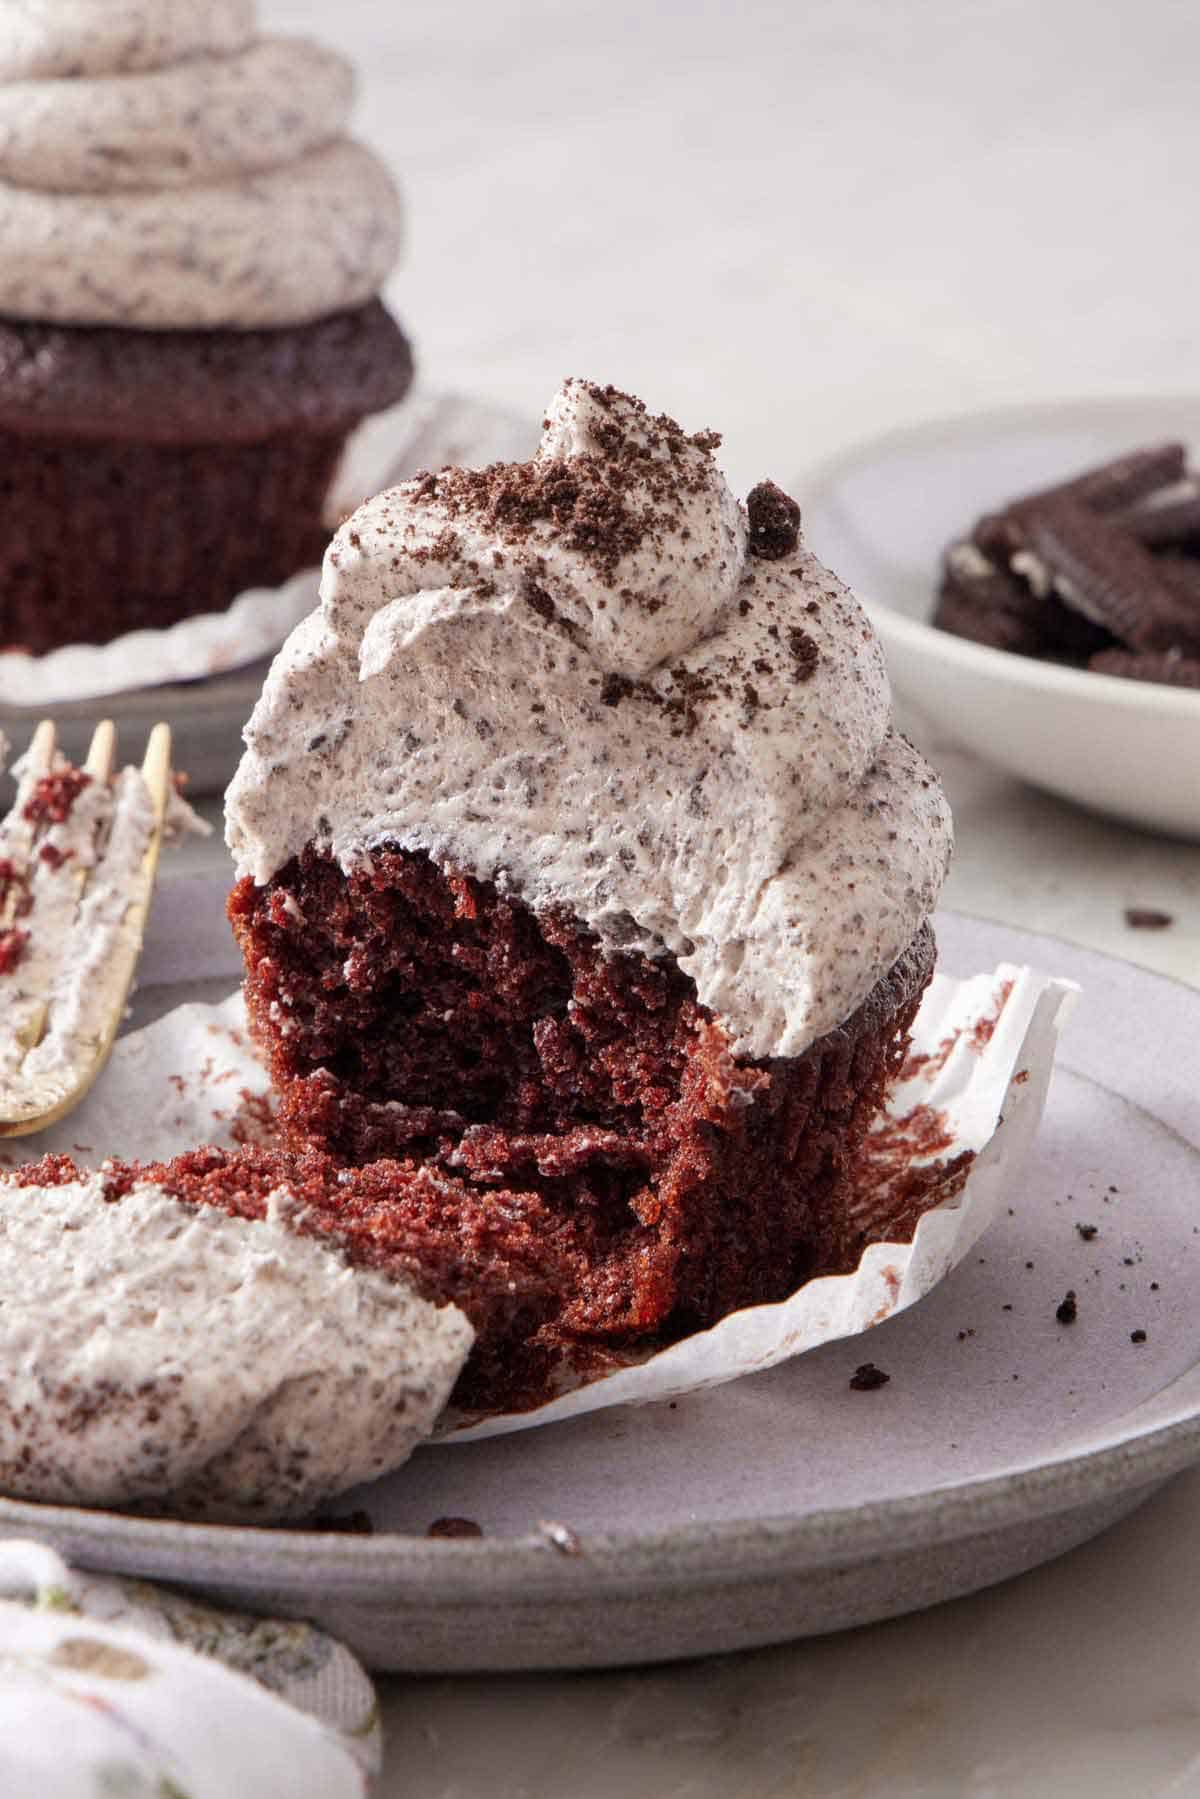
(12, 948)
(54, 796)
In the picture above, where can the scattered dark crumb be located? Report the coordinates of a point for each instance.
(1087, 1231)
(1145, 918)
(562, 1536)
(1021, 1076)
(1006, 1308)
(1016, 1377)
(348, 1524)
(1068, 1309)
(1154, 1286)
(454, 1527)
(1029, 1264)
(1114, 1189)
(1127, 1261)
(1137, 1336)
(867, 1377)
(963, 1335)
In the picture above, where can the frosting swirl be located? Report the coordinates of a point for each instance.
(570, 676)
(207, 119)
(186, 176)
(116, 37)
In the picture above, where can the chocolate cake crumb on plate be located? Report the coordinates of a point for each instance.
(454, 1527)
(1148, 918)
(867, 1378)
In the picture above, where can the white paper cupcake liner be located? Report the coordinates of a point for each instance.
(980, 1063)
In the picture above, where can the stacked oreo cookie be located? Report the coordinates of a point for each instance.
(1101, 572)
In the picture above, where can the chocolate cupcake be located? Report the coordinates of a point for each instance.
(191, 252)
(585, 894)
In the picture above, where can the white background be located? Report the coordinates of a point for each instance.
(793, 220)
(800, 224)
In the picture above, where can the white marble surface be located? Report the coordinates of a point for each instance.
(804, 224)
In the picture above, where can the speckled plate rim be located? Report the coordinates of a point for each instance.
(386, 1568)
(818, 484)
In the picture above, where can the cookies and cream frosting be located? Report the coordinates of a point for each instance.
(159, 1354)
(77, 38)
(583, 678)
(163, 167)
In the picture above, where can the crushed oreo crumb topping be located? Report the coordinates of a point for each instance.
(774, 522)
(604, 506)
(867, 1378)
(1068, 1308)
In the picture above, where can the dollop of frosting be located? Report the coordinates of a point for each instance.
(164, 168)
(215, 1366)
(571, 677)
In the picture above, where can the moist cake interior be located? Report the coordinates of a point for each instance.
(550, 1131)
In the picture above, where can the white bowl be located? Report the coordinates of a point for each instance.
(880, 516)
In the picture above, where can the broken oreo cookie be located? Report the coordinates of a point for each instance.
(1101, 571)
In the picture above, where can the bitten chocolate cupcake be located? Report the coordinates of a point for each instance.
(191, 253)
(585, 895)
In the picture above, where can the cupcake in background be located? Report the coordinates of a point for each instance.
(191, 254)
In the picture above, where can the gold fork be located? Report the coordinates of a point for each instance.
(72, 918)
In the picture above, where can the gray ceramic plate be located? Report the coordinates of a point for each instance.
(787, 1504)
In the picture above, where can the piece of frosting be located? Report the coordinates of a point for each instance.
(571, 677)
(163, 169)
(172, 1357)
(208, 119)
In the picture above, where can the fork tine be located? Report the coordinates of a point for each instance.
(44, 743)
(39, 760)
(40, 755)
(102, 751)
(156, 766)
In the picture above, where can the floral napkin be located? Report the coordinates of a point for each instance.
(116, 1689)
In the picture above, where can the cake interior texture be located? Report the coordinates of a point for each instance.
(546, 1129)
